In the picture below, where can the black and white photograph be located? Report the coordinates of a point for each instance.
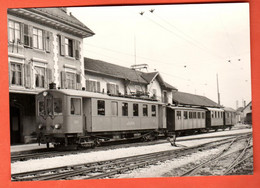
(130, 91)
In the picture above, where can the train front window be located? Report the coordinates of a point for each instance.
(49, 107)
(57, 106)
(41, 109)
(75, 107)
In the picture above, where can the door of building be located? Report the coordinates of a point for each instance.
(15, 125)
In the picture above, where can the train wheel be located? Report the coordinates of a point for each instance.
(216, 130)
(48, 145)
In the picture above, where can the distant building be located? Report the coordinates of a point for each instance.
(113, 79)
(187, 99)
(44, 45)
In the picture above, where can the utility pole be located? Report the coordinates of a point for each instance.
(218, 91)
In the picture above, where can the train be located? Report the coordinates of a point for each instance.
(77, 118)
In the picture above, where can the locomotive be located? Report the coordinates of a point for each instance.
(72, 118)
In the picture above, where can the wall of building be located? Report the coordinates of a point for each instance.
(155, 85)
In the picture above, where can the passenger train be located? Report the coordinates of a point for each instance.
(79, 118)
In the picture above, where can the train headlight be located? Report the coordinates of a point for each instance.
(40, 126)
(57, 126)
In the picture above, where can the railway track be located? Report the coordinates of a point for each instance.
(23, 156)
(225, 161)
(108, 168)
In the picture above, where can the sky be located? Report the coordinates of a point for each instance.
(189, 44)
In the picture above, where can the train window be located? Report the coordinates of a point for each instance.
(178, 114)
(75, 107)
(216, 114)
(198, 115)
(185, 115)
(203, 115)
(57, 106)
(194, 115)
(124, 109)
(145, 110)
(153, 110)
(101, 107)
(135, 110)
(190, 115)
(114, 108)
(212, 114)
(49, 106)
(41, 110)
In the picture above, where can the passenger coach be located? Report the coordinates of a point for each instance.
(67, 117)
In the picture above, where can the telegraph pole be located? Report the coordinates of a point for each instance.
(218, 91)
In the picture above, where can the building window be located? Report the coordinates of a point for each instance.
(178, 114)
(68, 47)
(114, 108)
(112, 89)
(101, 107)
(71, 80)
(92, 86)
(75, 107)
(14, 31)
(38, 38)
(135, 110)
(124, 109)
(145, 110)
(185, 115)
(16, 74)
(153, 110)
(39, 76)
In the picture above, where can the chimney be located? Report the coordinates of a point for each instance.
(244, 103)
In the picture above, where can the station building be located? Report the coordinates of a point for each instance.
(108, 78)
(45, 45)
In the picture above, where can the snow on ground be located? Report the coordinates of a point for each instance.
(37, 164)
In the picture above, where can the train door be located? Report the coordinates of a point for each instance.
(15, 125)
(87, 114)
(178, 120)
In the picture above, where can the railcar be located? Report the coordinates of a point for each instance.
(72, 117)
(185, 119)
(229, 118)
(214, 118)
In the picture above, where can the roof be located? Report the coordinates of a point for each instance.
(149, 76)
(54, 17)
(193, 100)
(246, 106)
(117, 71)
(109, 69)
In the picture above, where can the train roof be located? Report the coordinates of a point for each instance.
(228, 109)
(87, 94)
(185, 108)
(215, 109)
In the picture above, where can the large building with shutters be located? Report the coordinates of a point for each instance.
(45, 45)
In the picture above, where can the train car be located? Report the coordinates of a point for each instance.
(229, 117)
(214, 118)
(184, 119)
(72, 117)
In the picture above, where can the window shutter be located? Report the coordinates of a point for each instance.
(26, 39)
(48, 78)
(27, 75)
(22, 35)
(98, 87)
(30, 34)
(117, 89)
(62, 45)
(63, 79)
(78, 78)
(87, 85)
(47, 41)
(77, 50)
(108, 88)
(73, 48)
